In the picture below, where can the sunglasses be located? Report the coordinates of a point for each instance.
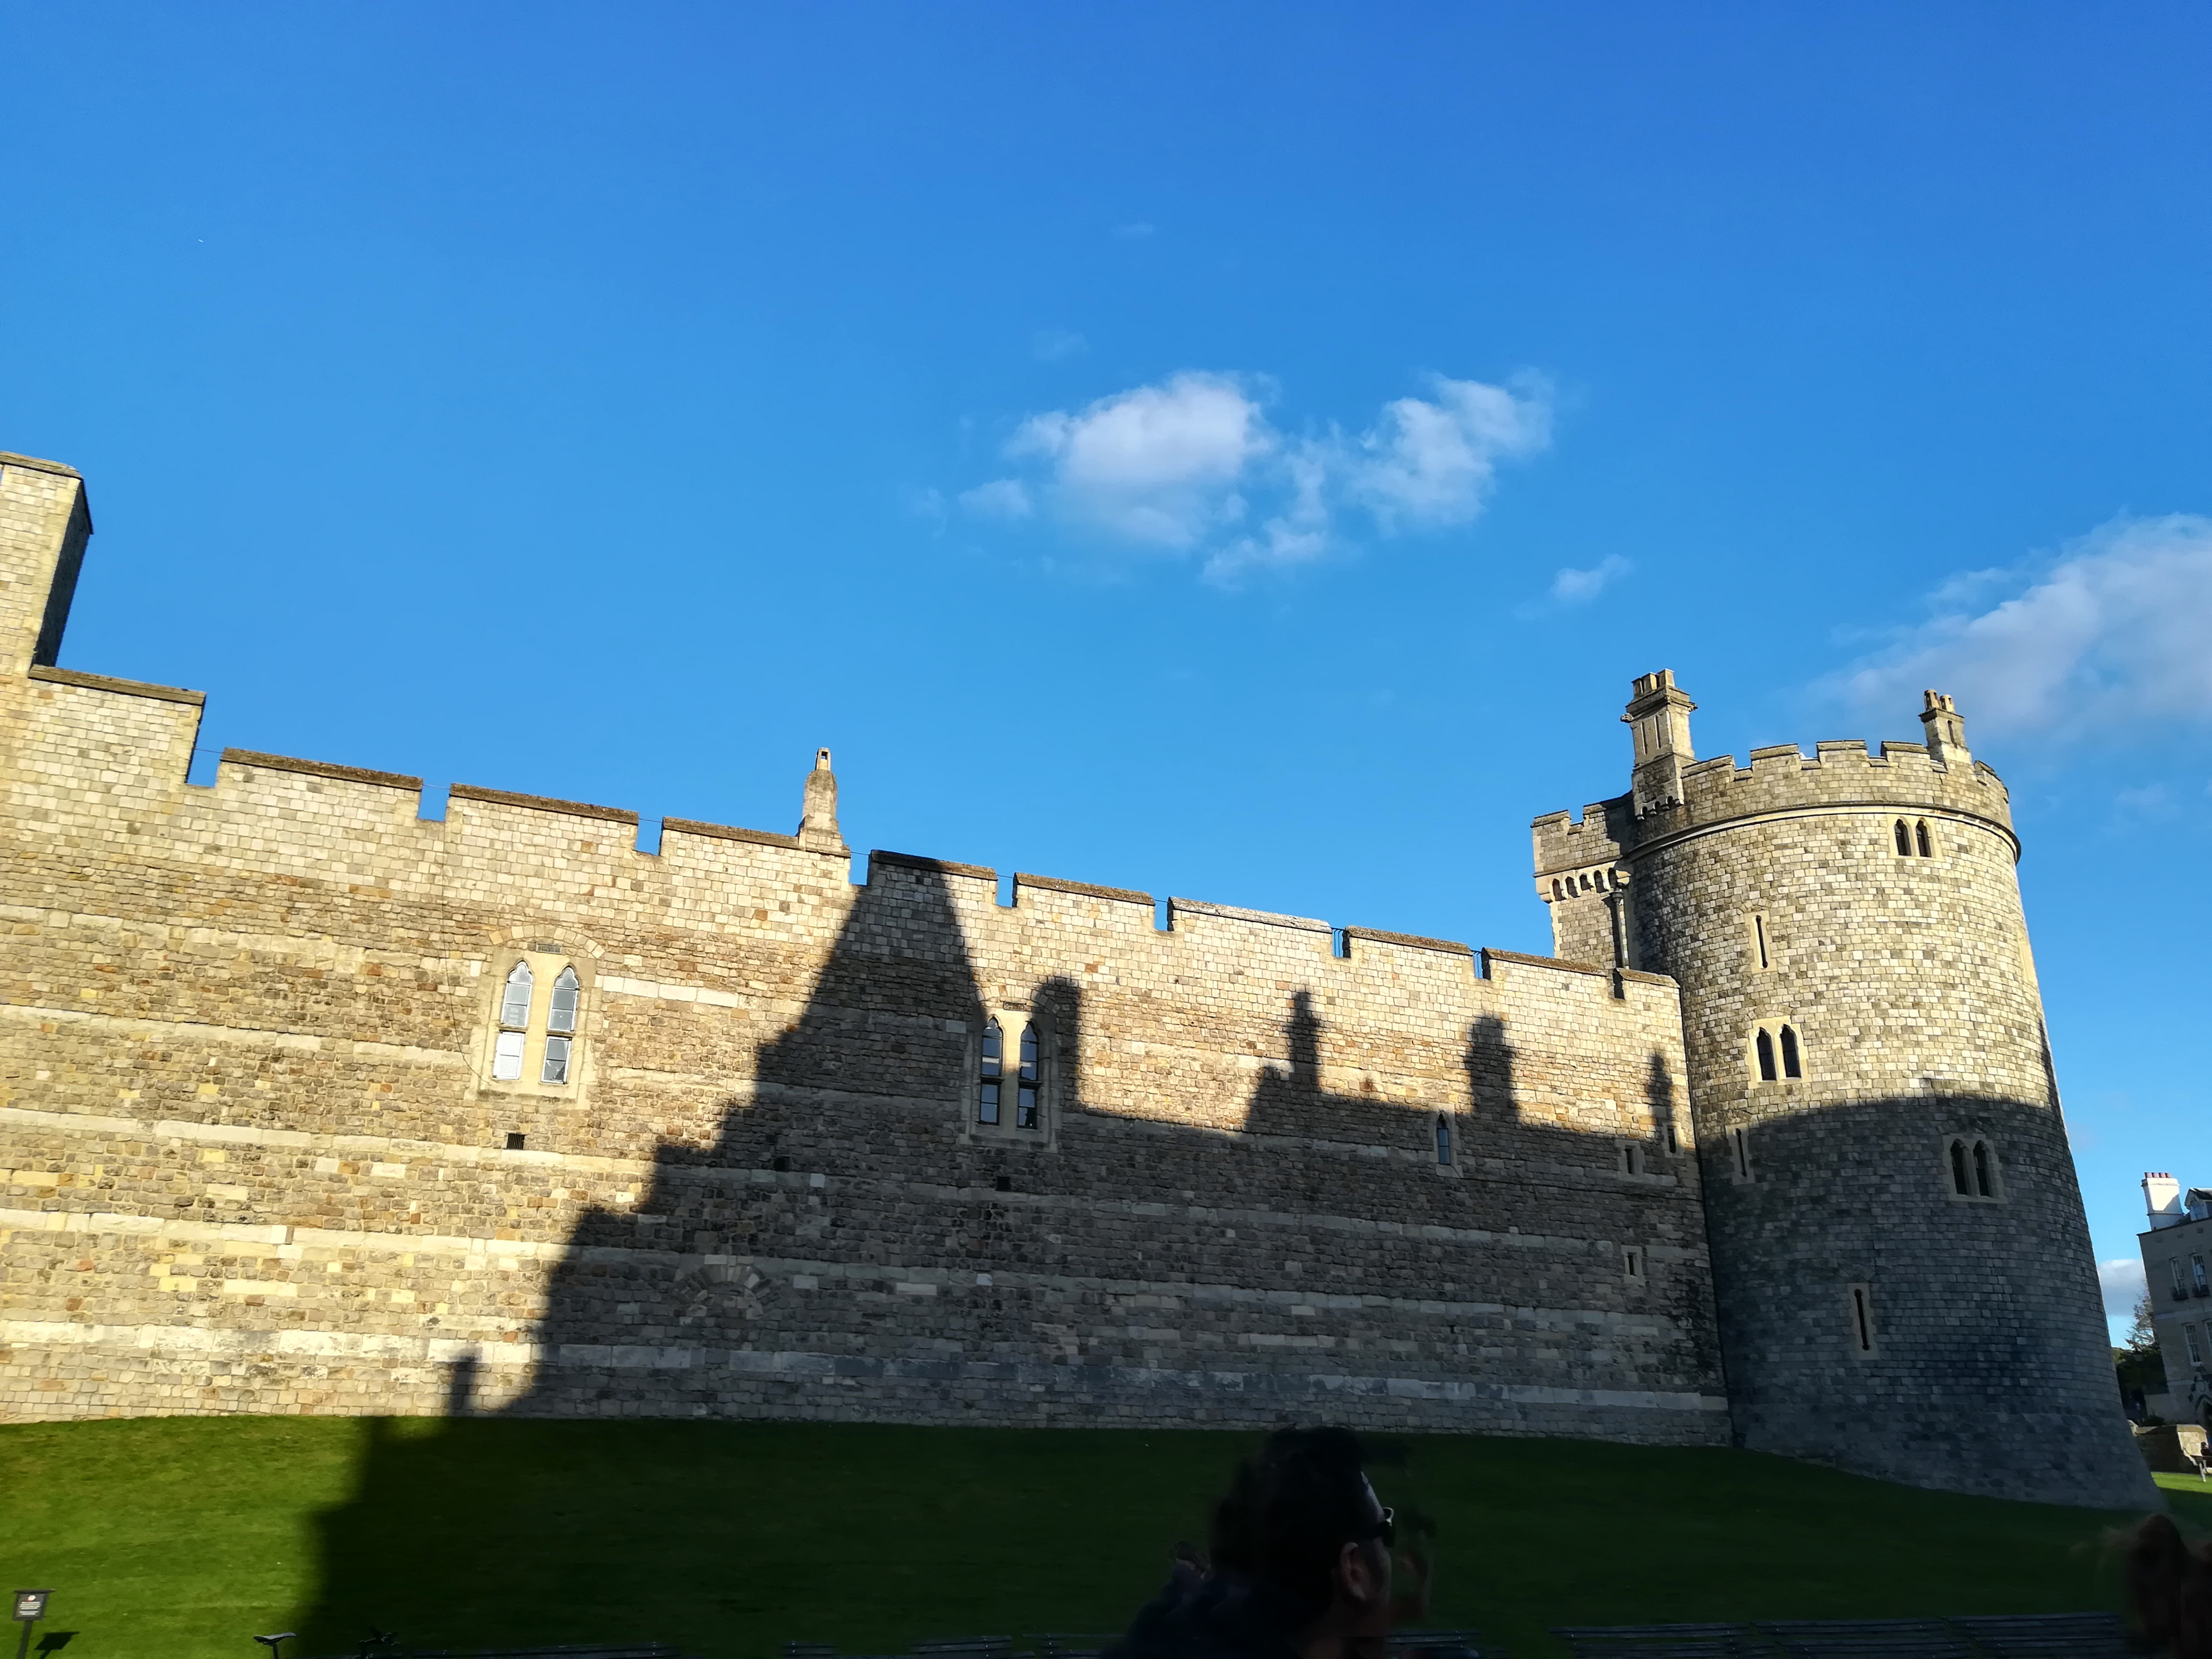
(1386, 1529)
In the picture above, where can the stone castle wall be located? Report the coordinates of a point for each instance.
(1776, 896)
(256, 1158)
(261, 1151)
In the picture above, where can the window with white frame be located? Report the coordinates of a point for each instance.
(538, 1028)
(561, 1027)
(2196, 1353)
(513, 1023)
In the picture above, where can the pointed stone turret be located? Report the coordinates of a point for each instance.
(1947, 732)
(817, 825)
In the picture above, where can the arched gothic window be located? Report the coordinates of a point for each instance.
(1973, 1165)
(986, 1083)
(1904, 840)
(1025, 1082)
(1443, 1138)
(1766, 1073)
(559, 1028)
(1922, 838)
(1789, 1064)
(513, 1023)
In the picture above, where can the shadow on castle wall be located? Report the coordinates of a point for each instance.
(860, 1090)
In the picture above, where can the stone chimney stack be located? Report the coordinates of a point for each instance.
(818, 825)
(1947, 732)
(2161, 1197)
(1659, 719)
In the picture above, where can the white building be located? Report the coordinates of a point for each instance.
(2175, 1252)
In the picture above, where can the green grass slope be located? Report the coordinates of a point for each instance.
(182, 1537)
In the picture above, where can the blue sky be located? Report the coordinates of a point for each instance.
(1237, 451)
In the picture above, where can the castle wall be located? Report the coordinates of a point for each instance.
(1776, 896)
(256, 1158)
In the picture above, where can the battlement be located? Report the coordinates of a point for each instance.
(1839, 774)
(302, 820)
(1674, 793)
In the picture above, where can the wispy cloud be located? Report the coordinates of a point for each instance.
(1136, 230)
(1057, 345)
(1192, 464)
(1001, 498)
(2115, 630)
(1430, 463)
(1573, 586)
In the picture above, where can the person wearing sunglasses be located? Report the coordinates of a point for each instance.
(1300, 1566)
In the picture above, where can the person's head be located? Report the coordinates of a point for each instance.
(2169, 1590)
(1302, 1518)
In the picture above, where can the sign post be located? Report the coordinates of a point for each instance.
(30, 1607)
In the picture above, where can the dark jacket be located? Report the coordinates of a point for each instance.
(1216, 1616)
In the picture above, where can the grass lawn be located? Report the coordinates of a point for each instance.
(180, 1537)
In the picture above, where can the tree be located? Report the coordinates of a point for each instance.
(2143, 1334)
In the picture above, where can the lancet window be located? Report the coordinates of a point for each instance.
(545, 1030)
(561, 1027)
(1972, 1163)
(1776, 1054)
(1013, 1085)
(1025, 1082)
(1443, 1138)
(513, 1023)
(988, 1081)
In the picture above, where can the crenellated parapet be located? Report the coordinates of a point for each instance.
(1783, 779)
(1677, 795)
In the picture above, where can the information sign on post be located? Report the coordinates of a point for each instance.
(30, 1607)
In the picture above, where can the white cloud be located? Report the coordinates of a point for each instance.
(1001, 498)
(1135, 231)
(1053, 346)
(1192, 464)
(1159, 464)
(2122, 1281)
(1432, 463)
(1573, 586)
(2116, 629)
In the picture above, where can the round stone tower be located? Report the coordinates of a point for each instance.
(1903, 1274)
